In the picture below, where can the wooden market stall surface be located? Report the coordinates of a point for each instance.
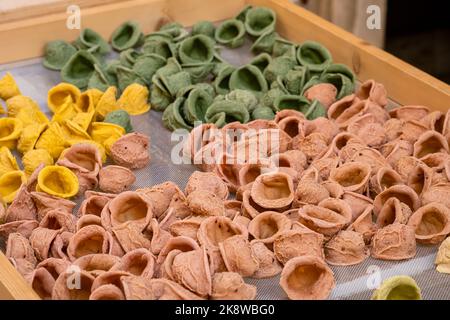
(27, 30)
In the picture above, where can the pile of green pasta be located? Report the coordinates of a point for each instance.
(188, 79)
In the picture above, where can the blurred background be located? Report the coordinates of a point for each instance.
(417, 32)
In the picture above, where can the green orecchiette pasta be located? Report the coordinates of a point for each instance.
(261, 61)
(226, 111)
(126, 36)
(208, 88)
(241, 15)
(175, 30)
(278, 67)
(245, 97)
(128, 57)
(263, 113)
(283, 47)
(99, 79)
(289, 101)
(171, 67)
(196, 49)
(175, 82)
(57, 53)
(204, 27)
(231, 33)
(79, 69)
(121, 118)
(295, 79)
(340, 69)
(248, 77)
(265, 42)
(126, 76)
(159, 99)
(173, 116)
(159, 44)
(88, 38)
(315, 110)
(196, 104)
(259, 20)
(313, 55)
(343, 84)
(198, 71)
(268, 98)
(222, 81)
(147, 65)
(398, 288)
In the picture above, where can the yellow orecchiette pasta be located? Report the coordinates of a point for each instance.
(34, 158)
(30, 136)
(10, 183)
(2, 110)
(58, 95)
(25, 109)
(134, 99)
(66, 111)
(106, 134)
(7, 161)
(10, 131)
(52, 140)
(107, 103)
(73, 132)
(8, 87)
(58, 181)
(84, 119)
(88, 100)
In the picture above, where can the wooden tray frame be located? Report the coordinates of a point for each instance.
(26, 38)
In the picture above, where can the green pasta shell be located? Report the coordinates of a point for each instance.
(159, 44)
(172, 66)
(278, 67)
(198, 71)
(173, 116)
(208, 88)
(289, 101)
(263, 113)
(340, 69)
(222, 81)
(315, 110)
(126, 76)
(261, 61)
(205, 28)
(226, 111)
(121, 118)
(89, 38)
(99, 79)
(159, 99)
(241, 15)
(175, 30)
(296, 79)
(196, 49)
(79, 69)
(398, 288)
(245, 97)
(175, 82)
(111, 71)
(250, 78)
(230, 33)
(128, 57)
(313, 55)
(268, 99)
(265, 42)
(283, 47)
(146, 66)
(259, 20)
(57, 53)
(196, 105)
(126, 36)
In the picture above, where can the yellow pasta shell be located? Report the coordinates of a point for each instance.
(52, 140)
(106, 133)
(30, 136)
(2, 110)
(88, 100)
(134, 99)
(10, 183)
(58, 181)
(8, 87)
(65, 112)
(25, 109)
(59, 94)
(10, 130)
(34, 158)
(84, 119)
(73, 133)
(107, 103)
(7, 161)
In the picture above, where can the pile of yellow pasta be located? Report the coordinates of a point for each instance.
(77, 117)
